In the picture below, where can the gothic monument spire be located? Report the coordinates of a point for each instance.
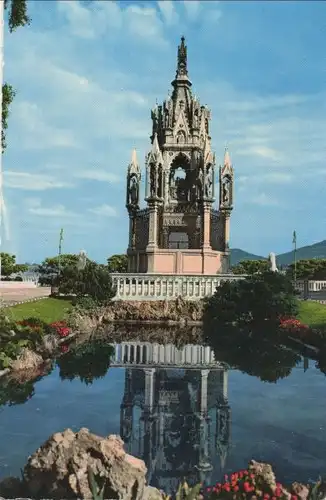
(180, 189)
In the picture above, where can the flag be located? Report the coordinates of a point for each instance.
(294, 241)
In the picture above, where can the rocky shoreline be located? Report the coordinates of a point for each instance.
(78, 465)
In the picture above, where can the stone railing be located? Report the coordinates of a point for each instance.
(313, 285)
(150, 355)
(166, 286)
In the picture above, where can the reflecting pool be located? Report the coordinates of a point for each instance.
(181, 409)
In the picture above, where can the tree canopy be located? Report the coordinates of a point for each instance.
(255, 300)
(17, 16)
(251, 267)
(49, 269)
(9, 266)
(118, 263)
(313, 269)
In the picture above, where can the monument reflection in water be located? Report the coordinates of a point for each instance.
(174, 412)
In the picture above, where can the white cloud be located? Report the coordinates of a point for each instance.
(265, 201)
(269, 178)
(168, 11)
(104, 210)
(32, 182)
(192, 9)
(98, 175)
(54, 211)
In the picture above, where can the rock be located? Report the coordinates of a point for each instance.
(59, 468)
(27, 360)
(300, 490)
(11, 487)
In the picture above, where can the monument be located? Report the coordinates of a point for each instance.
(180, 231)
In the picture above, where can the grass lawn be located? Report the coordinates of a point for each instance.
(48, 310)
(312, 313)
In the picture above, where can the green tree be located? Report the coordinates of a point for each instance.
(118, 263)
(251, 267)
(17, 16)
(49, 269)
(313, 269)
(9, 266)
(93, 281)
(255, 300)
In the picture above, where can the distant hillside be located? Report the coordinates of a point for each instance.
(315, 251)
(237, 255)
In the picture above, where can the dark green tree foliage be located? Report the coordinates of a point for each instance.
(17, 16)
(49, 269)
(311, 269)
(251, 267)
(253, 355)
(94, 281)
(87, 362)
(118, 263)
(256, 300)
(9, 266)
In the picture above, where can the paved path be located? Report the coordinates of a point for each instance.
(13, 296)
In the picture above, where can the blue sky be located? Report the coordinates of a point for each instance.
(87, 74)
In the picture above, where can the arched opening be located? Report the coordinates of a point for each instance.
(179, 181)
(178, 240)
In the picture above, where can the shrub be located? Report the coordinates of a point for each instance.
(254, 300)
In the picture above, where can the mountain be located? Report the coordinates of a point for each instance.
(237, 255)
(315, 251)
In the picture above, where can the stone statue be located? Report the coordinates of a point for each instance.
(272, 260)
(82, 260)
(160, 182)
(208, 183)
(226, 191)
(173, 189)
(133, 191)
(152, 180)
(200, 182)
(196, 119)
(167, 118)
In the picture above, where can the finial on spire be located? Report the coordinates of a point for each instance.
(182, 59)
(134, 157)
(227, 159)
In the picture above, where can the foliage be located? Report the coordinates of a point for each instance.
(118, 263)
(97, 492)
(12, 392)
(86, 303)
(253, 355)
(17, 13)
(93, 281)
(48, 310)
(88, 361)
(246, 484)
(60, 328)
(17, 16)
(253, 300)
(50, 267)
(313, 269)
(251, 267)
(8, 94)
(9, 266)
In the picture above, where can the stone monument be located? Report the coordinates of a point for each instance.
(180, 231)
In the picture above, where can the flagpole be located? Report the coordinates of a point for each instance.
(60, 248)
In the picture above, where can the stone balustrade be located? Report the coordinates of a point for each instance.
(313, 285)
(150, 355)
(166, 286)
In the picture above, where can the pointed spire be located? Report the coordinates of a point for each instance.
(182, 70)
(227, 159)
(134, 165)
(156, 154)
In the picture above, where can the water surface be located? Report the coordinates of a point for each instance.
(184, 418)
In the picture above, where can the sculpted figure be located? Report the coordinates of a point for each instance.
(133, 191)
(226, 191)
(152, 180)
(272, 260)
(208, 183)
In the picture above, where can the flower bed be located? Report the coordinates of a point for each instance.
(244, 485)
(295, 328)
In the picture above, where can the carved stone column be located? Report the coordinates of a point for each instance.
(206, 226)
